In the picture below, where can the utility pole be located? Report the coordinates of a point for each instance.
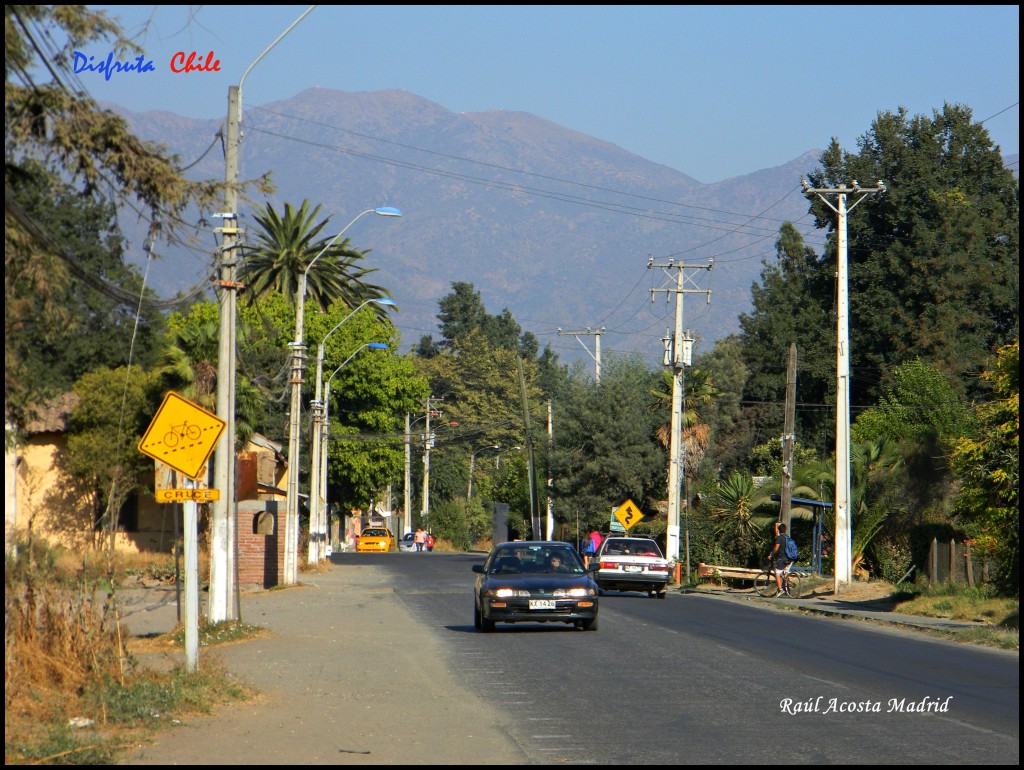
(408, 476)
(788, 440)
(223, 599)
(536, 532)
(596, 355)
(551, 481)
(428, 443)
(844, 538)
(678, 349)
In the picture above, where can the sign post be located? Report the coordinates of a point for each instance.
(183, 435)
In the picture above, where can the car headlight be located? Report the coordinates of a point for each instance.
(572, 593)
(505, 593)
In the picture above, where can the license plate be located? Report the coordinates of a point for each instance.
(542, 604)
(633, 568)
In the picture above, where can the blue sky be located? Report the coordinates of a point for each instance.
(714, 92)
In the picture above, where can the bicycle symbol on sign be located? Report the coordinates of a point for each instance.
(191, 432)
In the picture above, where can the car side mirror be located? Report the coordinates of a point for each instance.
(478, 568)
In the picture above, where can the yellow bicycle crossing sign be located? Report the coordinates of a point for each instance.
(628, 514)
(182, 435)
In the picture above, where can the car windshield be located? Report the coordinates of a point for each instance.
(620, 547)
(536, 559)
(375, 533)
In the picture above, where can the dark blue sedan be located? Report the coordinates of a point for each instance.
(534, 582)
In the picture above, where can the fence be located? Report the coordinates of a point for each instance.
(951, 563)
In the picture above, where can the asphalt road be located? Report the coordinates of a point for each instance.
(697, 679)
(380, 656)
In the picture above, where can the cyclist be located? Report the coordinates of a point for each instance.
(777, 558)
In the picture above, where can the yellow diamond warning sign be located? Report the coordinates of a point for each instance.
(182, 435)
(628, 514)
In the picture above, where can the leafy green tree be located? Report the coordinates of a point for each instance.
(369, 398)
(605, 448)
(189, 367)
(50, 126)
(462, 311)
(923, 414)
(989, 469)
(115, 406)
(730, 440)
(934, 262)
(921, 406)
(285, 246)
(91, 325)
(790, 305)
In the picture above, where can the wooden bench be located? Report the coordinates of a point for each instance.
(708, 571)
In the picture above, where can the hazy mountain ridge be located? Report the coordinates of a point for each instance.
(551, 223)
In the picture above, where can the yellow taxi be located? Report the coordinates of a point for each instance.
(375, 539)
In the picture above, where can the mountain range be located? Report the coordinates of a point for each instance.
(554, 225)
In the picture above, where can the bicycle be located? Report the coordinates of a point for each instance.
(765, 585)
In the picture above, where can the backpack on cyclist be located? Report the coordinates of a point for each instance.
(792, 549)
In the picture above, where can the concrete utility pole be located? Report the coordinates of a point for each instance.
(222, 604)
(551, 480)
(843, 539)
(223, 599)
(428, 443)
(677, 355)
(788, 440)
(408, 477)
(596, 355)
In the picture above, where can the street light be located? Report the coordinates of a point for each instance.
(317, 547)
(321, 490)
(291, 522)
(472, 457)
(497, 460)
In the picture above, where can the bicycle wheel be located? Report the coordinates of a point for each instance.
(793, 585)
(764, 585)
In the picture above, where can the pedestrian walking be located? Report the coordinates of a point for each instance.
(591, 545)
(420, 538)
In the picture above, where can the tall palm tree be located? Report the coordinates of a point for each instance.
(283, 250)
(698, 392)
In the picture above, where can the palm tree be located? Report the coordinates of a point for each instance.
(699, 391)
(742, 510)
(286, 245)
(189, 366)
(872, 466)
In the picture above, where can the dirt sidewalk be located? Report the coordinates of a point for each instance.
(346, 676)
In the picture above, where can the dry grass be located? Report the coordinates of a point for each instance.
(65, 656)
(56, 641)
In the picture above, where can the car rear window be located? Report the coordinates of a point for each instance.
(635, 547)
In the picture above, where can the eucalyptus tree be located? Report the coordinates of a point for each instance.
(285, 245)
(605, 446)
